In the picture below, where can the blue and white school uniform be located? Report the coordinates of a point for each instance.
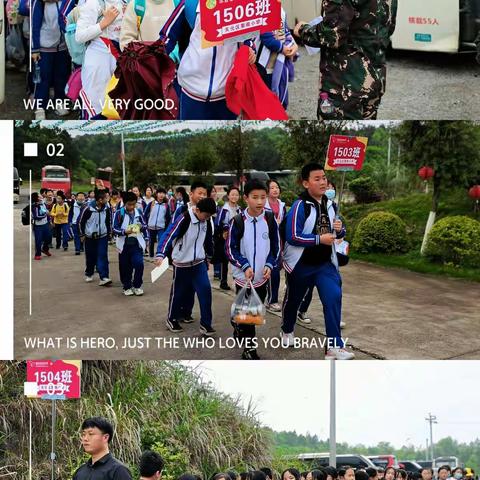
(305, 272)
(130, 248)
(41, 228)
(274, 282)
(157, 217)
(189, 253)
(224, 216)
(74, 215)
(96, 225)
(203, 72)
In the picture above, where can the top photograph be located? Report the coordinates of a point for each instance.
(240, 59)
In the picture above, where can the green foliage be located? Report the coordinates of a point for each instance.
(364, 189)
(381, 232)
(201, 158)
(455, 240)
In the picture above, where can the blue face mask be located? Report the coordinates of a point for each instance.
(330, 193)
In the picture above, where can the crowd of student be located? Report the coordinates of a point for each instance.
(77, 45)
(193, 232)
(97, 433)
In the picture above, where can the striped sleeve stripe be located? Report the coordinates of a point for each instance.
(174, 229)
(294, 227)
(165, 31)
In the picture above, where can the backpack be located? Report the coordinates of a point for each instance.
(240, 224)
(74, 85)
(26, 218)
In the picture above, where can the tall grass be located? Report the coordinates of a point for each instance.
(160, 405)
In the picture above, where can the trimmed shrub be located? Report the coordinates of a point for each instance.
(381, 232)
(455, 240)
(364, 189)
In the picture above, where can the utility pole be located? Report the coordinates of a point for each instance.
(122, 156)
(431, 419)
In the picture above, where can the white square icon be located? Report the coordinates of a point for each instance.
(30, 149)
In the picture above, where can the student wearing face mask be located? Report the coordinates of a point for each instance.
(458, 473)
(74, 215)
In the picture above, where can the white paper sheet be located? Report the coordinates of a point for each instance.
(157, 272)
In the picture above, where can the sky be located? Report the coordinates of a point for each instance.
(376, 401)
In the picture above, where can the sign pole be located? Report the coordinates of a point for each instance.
(340, 193)
(54, 421)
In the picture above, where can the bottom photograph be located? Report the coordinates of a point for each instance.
(226, 420)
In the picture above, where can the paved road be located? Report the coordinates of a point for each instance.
(419, 86)
(392, 314)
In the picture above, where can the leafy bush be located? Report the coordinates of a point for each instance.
(364, 189)
(455, 240)
(288, 196)
(382, 232)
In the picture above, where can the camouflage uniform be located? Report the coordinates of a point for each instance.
(353, 38)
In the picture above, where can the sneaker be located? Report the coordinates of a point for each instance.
(77, 253)
(37, 257)
(304, 318)
(128, 292)
(343, 324)
(88, 279)
(46, 252)
(62, 112)
(65, 249)
(174, 326)
(250, 355)
(225, 286)
(274, 307)
(339, 354)
(206, 330)
(104, 281)
(188, 319)
(288, 339)
(138, 291)
(40, 114)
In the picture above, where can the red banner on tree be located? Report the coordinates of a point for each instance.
(346, 153)
(55, 377)
(224, 19)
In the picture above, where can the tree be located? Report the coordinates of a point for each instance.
(452, 149)
(201, 157)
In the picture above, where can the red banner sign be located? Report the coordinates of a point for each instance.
(224, 19)
(346, 153)
(55, 377)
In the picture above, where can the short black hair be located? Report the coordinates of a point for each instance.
(267, 471)
(332, 471)
(232, 474)
(48, 190)
(188, 476)
(361, 475)
(309, 168)
(80, 193)
(293, 471)
(219, 476)
(160, 190)
(150, 463)
(99, 194)
(114, 192)
(372, 472)
(445, 467)
(254, 184)
(428, 469)
(61, 194)
(342, 471)
(129, 197)
(207, 205)
(35, 197)
(229, 189)
(198, 184)
(101, 423)
(43, 190)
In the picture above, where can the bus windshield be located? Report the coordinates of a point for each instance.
(56, 173)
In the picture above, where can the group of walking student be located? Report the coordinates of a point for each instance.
(193, 232)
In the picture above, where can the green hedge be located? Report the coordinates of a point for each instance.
(382, 232)
(455, 240)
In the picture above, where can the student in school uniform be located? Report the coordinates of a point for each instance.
(157, 217)
(59, 213)
(254, 254)
(131, 239)
(40, 226)
(225, 215)
(95, 225)
(202, 73)
(189, 240)
(73, 217)
(310, 260)
(279, 210)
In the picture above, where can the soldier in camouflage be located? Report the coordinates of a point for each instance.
(353, 38)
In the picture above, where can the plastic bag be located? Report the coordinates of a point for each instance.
(14, 45)
(248, 309)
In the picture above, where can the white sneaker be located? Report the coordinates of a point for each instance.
(274, 307)
(40, 114)
(138, 291)
(343, 324)
(339, 354)
(89, 279)
(128, 292)
(303, 318)
(288, 339)
(104, 281)
(62, 112)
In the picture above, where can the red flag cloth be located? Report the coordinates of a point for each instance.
(247, 93)
(146, 74)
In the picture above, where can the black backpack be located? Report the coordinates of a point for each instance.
(26, 218)
(240, 224)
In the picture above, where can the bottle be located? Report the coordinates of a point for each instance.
(37, 77)
(326, 106)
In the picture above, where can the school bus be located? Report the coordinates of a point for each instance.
(448, 26)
